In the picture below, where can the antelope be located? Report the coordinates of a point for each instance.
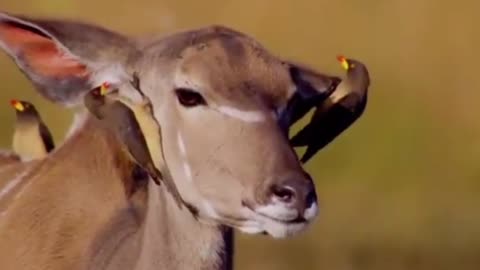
(224, 104)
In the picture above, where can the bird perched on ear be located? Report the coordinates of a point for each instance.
(344, 106)
(135, 129)
(31, 138)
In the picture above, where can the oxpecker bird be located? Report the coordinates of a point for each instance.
(344, 106)
(31, 138)
(132, 122)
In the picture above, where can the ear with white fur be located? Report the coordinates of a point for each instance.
(64, 59)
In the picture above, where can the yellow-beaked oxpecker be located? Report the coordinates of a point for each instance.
(135, 128)
(344, 62)
(32, 138)
(345, 105)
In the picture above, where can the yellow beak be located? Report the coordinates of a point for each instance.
(104, 89)
(17, 105)
(343, 62)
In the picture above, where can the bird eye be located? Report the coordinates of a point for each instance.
(189, 98)
(96, 92)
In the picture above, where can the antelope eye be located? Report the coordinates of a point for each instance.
(189, 98)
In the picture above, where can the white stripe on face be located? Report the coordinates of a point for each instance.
(13, 183)
(181, 145)
(311, 212)
(247, 116)
(187, 170)
(184, 80)
(183, 153)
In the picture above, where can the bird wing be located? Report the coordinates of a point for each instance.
(46, 137)
(328, 122)
(305, 98)
(130, 132)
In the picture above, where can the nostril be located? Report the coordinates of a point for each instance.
(285, 194)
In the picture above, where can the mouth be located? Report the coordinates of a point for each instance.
(277, 226)
(272, 220)
(285, 216)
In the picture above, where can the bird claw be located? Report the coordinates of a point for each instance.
(156, 180)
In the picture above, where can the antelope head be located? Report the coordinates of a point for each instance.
(220, 98)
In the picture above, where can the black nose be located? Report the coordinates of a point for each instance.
(296, 192)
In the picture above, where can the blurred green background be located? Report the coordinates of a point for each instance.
(400, 188)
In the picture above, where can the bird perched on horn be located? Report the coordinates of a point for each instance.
(32, 138)
(136, 127)
(343, 107)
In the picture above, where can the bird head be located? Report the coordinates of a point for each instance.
(96, 92)
(345, 63)
(104, 88)
(107, 89)
(17, 105)
(94, 101)
(24, 108)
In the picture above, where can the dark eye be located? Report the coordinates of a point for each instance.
(189, 97)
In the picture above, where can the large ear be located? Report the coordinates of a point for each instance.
(312, 88)
(64, 59)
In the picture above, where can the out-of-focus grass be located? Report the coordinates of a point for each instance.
(400, 189)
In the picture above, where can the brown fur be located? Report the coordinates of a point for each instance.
(90, 177)
(81, 209)
(69, 231)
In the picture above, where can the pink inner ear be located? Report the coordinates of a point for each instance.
(40, 53)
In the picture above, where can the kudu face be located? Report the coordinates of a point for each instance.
(217, 95)
(217, 104)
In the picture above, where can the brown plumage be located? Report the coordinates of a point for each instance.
(32, 138)
(135, 127)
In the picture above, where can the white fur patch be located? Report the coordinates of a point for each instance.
(251, 227)
(188, 171)
(209, 210)
(183, 153)
(282, 230)
(183, 80)
(277, 210)
(311, 212)
(13, 183)
(247, 116)
(181, 145)
(26, 158)
(79, 119)
(114, 74)
(273, 227)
